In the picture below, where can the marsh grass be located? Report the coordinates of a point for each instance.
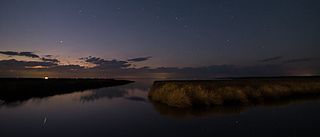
(231, 92)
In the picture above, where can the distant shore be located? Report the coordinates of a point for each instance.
(19, 89)
(232, 91)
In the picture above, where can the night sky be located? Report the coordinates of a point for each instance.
(159, 38)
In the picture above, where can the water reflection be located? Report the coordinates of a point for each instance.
(113, 110)
(137, 92)
(197, 112)
(137, 99)
(133, 92)
(86, 96)
(1, 102)
(108, 93)
(17, 91)
(166, 110)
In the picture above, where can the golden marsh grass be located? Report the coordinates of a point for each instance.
(231, 92)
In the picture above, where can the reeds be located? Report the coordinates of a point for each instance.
(231, 92)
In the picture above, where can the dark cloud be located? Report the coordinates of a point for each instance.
(106, 64)
(215, 71)
(14, 64)
(93, 60)
(29, 54)
(271, 59)
(140, 59)
(46, 58)
(25, 54)
(290, 61)
(120, 69)
(297, 60)
(67, 68)
(50, 60)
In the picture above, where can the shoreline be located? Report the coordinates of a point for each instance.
(19, 89)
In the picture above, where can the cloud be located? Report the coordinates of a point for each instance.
(290, 61)
(215, 71)
(50, 60)
(297, 60)
(140, 59)
(25, 54)
(67, 68)
(14, 64)
(46, 58)
(121, 69)
(106, 64)
(271, 59)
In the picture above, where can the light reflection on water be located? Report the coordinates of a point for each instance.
(126, 111)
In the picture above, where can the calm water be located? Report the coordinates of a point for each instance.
(125, 111)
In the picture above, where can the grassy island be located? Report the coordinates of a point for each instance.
(238, 91)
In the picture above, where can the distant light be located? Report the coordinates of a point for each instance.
(46, 77)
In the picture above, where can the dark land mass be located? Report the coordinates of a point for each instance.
(232, 91)
(22, 89)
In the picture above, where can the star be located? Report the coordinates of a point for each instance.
(60, 41)
(80, 11)
(228, 42)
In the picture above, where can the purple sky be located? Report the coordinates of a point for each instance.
(159, 38)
